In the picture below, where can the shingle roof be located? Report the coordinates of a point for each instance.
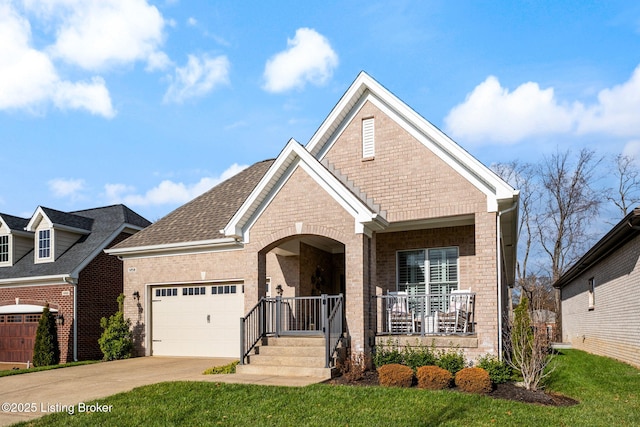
(104, 221)
(203, 217)
(14, 222)
(67, 219)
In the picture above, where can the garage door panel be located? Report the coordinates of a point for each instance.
(205, 324)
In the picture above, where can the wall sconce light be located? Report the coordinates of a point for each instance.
(279, 290)
(136, 295)
(60, 319)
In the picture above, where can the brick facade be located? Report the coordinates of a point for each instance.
(427, 202)
(99, 285)
(612, 327)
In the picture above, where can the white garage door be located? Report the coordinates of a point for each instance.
(196, 320)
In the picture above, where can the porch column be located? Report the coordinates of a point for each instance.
(358, 293)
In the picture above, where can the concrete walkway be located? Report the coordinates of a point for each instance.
(55, 390)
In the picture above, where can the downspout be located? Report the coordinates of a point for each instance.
(499, 270)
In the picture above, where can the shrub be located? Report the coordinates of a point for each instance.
(433, 378)
(473, 380)
(395, 375)
(46, 350)
(354, 366)
(417, 356)
(499, 371)
(387, 354)
(116, 341)
(451, 360)
(225, 369)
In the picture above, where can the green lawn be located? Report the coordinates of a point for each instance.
(608, 392)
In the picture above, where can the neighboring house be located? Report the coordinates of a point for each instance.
(378, 201)
(57, 258)
(599, 302)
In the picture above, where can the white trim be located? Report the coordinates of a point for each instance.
(294, 156)
(23, 309)
(368, 138)
(365, 88)
(58, 279)
(180, 248)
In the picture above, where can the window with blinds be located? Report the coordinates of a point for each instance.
(368, 141)
(429, 271)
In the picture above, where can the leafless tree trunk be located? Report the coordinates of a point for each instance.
(626, 194)
(569, 203)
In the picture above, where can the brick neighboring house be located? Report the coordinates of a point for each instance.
(600, 304)
(378, 201)
(58, 258)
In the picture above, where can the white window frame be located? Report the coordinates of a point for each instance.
(591, 293)
(5, 253)
(428, 283)
(39, 247)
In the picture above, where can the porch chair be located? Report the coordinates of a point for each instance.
(401, 318)
(459, 317)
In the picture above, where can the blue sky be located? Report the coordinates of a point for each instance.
(151, 103)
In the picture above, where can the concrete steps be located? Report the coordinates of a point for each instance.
(298, 356)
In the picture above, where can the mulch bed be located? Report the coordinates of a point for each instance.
(508, 391)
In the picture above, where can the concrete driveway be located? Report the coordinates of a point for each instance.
(40, 392)
(33, 395)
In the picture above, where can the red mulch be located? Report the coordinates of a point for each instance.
(508, 391)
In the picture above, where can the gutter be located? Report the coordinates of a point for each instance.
(74, 282)
(499, 271)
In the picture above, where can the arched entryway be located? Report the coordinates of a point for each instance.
(304, 265)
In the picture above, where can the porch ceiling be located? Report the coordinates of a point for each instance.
(292, 247)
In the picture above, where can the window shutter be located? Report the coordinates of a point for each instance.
(368, 142)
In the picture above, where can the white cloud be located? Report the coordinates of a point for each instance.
(61, 187)
(632, 149)
(192, 22)
(28, 78)
(167, 192)
(308, 58)
(199, 77)
(98, 34)
(490, 113)
(617, 111)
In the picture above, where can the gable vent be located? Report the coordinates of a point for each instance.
(368, 141)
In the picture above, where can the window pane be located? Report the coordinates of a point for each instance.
(411, 269)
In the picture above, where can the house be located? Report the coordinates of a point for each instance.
(598, 295)
(57, 258)
(319, 241)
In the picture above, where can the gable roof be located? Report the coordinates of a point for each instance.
(365, 88)
(366, 214)
(106, 223)
(620, 234)
(14, 223)
(201, 219)
(60, 220)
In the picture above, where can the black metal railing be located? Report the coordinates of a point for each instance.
(281, 316)
(402, 313)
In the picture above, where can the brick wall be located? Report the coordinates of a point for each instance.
(99, 285)
(612, 328)
(52, 294)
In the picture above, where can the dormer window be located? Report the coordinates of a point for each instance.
(4, 249)
(44, 244)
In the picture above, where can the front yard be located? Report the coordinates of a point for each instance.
(608, 391)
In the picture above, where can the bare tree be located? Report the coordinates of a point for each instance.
(569, 204)
(626, 194)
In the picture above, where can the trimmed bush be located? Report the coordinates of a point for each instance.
(433, 378)
(395, 375)
(46, 350)
(499, 372)
(473, 380)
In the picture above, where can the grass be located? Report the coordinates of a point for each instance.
(607, 391)
(9, 372)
